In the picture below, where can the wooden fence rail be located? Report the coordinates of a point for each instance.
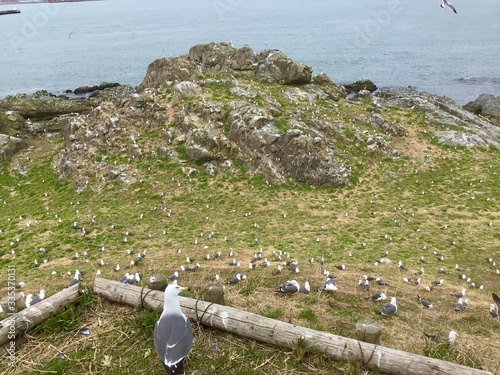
(36, 314)
(275, 332)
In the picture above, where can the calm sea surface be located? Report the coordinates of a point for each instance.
(392, 42)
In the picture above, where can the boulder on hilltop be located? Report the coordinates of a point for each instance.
(222, 59)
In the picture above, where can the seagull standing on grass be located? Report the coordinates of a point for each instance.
(389, 309)
(173, 335)
(446, 4)
(425, 303)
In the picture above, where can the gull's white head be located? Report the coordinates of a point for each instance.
(452, 336)
(174, 289)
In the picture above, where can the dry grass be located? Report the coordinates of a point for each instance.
(387, 202)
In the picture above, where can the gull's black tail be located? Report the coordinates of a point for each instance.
(177, 369)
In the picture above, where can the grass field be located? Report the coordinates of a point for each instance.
(432, 199)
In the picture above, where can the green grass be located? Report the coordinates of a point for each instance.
(384, 200)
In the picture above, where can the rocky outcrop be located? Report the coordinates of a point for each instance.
(11, 123)
(228, 109)
(82, 90)
(9, 146)
(223, 60)
(43, 114)
(487, 106)
(357, 86)
(468, 130)
(43, 105)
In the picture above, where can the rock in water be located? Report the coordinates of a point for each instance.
(357, 86)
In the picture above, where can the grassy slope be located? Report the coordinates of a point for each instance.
(409, 200)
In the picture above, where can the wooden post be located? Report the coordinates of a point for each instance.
(275, 332)
(160, 282)
(368, 330)
(36, 314)
(19, 302)
(214, 293)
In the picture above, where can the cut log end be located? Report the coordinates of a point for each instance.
(214, 293)
(368, 330)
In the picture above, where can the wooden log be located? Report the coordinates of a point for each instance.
(36, 314)
(368, 330)
(214, 293)
(275, 332)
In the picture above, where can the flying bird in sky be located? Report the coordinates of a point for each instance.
(446, 4)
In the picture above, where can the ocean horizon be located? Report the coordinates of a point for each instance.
(62, 46)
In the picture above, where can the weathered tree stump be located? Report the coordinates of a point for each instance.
(368, 330)
(214, 293)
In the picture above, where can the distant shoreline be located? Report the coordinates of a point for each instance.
(14, 2)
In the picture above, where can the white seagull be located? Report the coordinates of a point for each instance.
(173, 335)
(446, 4)
(389, 309)
(290, 286)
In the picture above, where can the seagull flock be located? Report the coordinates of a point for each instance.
(292, 278)
(279, 263)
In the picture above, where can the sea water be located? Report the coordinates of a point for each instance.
(392, 42)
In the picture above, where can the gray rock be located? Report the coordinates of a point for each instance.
(188, 89)
(357, 86)
(361, 95)
(89, 89)
(298, 95)
(10, 145)
(454, 138)
(486, 105)
(212, 54)
(112, 175)
(226, 61)
(275, 67)
(115, 94)
(442, 112)
(333, 91)
(243, 92)
(43, 105)
(234, 123)
(11, 123)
